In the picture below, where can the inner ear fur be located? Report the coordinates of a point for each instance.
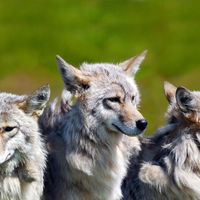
(170, 91)
(187, 102)
(73, 78)
(131, 65)
(36, 101)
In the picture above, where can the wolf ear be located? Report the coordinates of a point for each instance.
(187, 101)
(170, 91)
(34, 103)
(131, 65)
(73, 78)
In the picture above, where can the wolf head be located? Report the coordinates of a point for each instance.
(107, 94)
(183, 103)
(18, 126)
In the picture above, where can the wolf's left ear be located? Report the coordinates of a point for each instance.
(187, 101)
(131, 65)
(34, 103)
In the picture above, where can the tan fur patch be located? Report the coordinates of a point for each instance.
(2, 145)
(169, 91)
(130, 113)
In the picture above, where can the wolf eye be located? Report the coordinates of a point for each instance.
(114, 99)
(8, 129)
(133, 98)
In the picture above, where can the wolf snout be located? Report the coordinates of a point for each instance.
(141, 124)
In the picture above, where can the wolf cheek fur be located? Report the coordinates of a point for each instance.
(170, 162)
(22, 152)
(88, 143)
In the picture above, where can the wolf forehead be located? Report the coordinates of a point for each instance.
(109, 74)
(7, 101)
(102, 69)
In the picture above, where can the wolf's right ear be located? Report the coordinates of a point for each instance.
(132, 65)
(187, 101)
(73, 78)
(34, 103)
(170, 91)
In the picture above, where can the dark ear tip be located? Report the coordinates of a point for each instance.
(185, 98)
(180, 89)
(44, 93)
(45, 88)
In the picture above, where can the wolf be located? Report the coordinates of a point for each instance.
(169, 163)
(22, 150)
(89, 142)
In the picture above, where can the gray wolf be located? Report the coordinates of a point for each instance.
(89, 143)
(169, 163)
(22, 152)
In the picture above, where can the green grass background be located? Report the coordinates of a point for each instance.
(33, 32)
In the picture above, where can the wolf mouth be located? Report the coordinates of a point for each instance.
(119, 129)
(6, 158)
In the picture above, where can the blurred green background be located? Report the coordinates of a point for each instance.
(33, 32)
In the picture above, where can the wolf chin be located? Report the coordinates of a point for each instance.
(22, 152)
(89, 143)
(169, 163)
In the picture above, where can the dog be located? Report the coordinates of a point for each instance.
(168, 165)
(89, 142)
(22, 150)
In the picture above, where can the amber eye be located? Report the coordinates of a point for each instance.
(8, 129)
(114, 99)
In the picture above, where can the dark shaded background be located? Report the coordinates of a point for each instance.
(33, 32)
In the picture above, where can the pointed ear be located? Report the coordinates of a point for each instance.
(170, 91)
(187, 101)
(131, 65)
(34, 103)
(73, 78)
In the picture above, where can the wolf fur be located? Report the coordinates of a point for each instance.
(89, 143)
(169, 164)
(22, 152)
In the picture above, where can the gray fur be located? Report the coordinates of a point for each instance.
(22, 152)
(168, 166)
(88, 155)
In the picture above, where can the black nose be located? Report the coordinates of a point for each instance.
(141, 124)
